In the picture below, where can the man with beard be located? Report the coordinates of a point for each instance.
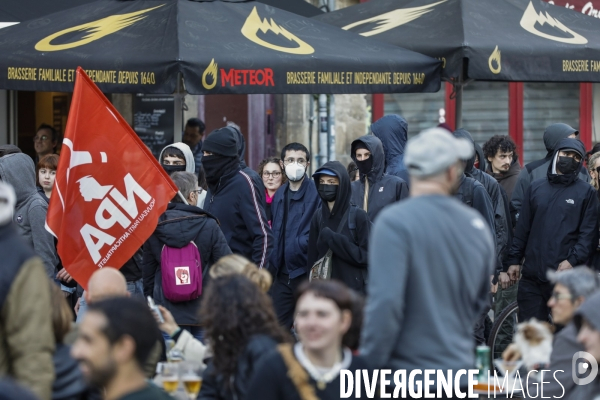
(294, 205)
(557, 229)
(233, 199)
(503, 164)
(375, 189)
(115, 339)
(430, 259)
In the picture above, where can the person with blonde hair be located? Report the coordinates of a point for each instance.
(236, 264)
(233, 264)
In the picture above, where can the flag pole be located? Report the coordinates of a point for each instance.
(183, 198)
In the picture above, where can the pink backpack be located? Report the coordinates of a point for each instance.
(181, 273)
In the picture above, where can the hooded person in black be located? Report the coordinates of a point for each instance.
(382, 189)
(557, 229)
(330, 228)
(537, 169)
(233, 198)
(392, 130)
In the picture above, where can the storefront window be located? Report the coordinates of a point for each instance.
(543, 105)
(485, 110)
(421, 110)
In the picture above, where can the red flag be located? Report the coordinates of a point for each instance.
(109, 189)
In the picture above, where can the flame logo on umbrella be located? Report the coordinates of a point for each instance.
(393, 19)
(495, 57)
(531, 17)
(211, 70)
(95, 30)
(254, 24)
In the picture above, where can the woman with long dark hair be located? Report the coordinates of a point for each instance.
(241, 327)
(310, 369)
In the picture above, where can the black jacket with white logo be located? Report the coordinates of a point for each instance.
(558, 221)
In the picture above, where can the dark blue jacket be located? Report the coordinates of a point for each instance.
(558, 221)
(303, 205)
(392, 130)
(239, 208)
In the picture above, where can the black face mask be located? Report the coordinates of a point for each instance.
(567, 165)
(365, 166)
(216, 166)
(328, 192)
(173, 168)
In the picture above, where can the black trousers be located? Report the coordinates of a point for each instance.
(532, 297)
(283, 294)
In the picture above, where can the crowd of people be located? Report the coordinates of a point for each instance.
(393, 261)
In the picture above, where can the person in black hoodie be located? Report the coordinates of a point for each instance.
(557, 229)
(330, 228)
(234, 199)
(382, 189)
(392, 130)
(179, 225)
(537, 169)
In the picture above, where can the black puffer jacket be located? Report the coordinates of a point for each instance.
(383, 189)
(350, 254)
(177, 227)
(215, 387)
(559, 221)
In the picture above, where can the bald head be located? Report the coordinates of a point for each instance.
(106, 283)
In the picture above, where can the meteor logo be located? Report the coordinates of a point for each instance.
(393, 19)
(531, 17)
(254, 24)
(495, 58)
(95, 30)
(211, 71)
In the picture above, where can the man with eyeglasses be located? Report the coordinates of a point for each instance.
(292, 208)
(557, 229)
(375, 189)
(571, 289)
(45, 141)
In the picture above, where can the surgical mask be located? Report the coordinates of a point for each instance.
(173, 168)
(328, 192)
(567, 165)
(295, 172)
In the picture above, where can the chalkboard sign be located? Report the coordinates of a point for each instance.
(153, 119)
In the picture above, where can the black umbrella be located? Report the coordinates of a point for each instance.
(499, 40)
(145, 46)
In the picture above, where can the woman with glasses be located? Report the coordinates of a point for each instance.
(273, 177)
(45, 141)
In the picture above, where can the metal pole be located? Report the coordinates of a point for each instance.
(178, 99)
(331, 153)
(459, 98)
(323, 129)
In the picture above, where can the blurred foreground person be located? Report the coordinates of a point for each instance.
(311, 368)
(26, 339)
(190, 347)
(411, 240)
(241, 328)
(571, 289)
(587, 322)
(115, 339)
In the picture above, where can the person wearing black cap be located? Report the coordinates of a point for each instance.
(375, 189)
(537, 169)
(340, 227)
(557, 229)
(234, 200)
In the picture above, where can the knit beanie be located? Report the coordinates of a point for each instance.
(222, 141)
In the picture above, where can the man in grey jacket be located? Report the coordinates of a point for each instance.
(431, 258)
(30, 212)
(537, 169)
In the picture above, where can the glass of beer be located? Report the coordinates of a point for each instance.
(169, 376)
(191, 376)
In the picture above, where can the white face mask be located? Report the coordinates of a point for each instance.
(295, 171)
